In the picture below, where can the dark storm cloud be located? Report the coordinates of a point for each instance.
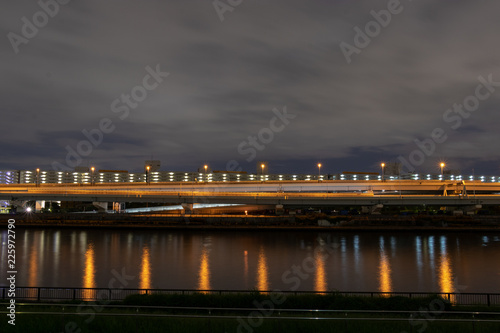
(226, 78)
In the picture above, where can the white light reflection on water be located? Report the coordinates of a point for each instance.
(343, 257)
(57, 250)
(357, 256)
(430, 243)
(419, 260)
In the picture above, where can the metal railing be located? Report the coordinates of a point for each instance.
(117, 294)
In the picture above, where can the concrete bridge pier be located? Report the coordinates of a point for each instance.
(101, 206)
(39, 205)
(118, 207)
(18, 204)
(188, 208)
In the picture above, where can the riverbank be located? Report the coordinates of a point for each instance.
(257, 312)
(261, 222)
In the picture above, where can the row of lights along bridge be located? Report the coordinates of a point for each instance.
(205, 167)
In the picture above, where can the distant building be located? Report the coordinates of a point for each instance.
(9, 176)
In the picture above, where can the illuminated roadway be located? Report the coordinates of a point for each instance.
(291, 193)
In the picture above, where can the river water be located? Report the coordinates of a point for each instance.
(262, 260)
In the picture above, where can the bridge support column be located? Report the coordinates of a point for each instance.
(102, 207)
(39, 205)
(118, 207)
(188, 208)
(18, 205)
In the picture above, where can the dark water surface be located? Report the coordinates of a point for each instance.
(263, 260)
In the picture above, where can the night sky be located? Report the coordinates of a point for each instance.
(229, 83)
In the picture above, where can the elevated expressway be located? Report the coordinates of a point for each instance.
(287, 193)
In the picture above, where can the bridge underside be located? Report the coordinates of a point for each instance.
(288, 194)
(289, 199)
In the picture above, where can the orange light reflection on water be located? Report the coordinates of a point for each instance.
(446, 283)
(89, 272)
(384, 271)
(145, 276)
(320, 279)
(33, 270)
(262, 272)
(204, 272)
(245, 272)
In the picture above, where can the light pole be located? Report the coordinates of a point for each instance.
(383, 170)
(262, 166)
(147, 174)
(37, 181)
(206, 167)
(319, 171)
(474, 180)
(92, 169)
(442, 165)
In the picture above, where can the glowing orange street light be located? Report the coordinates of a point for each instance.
(383, 170)
(147, 174)
(319, 170)
(37, 183)
(206, 167)
(92, 176)
(442, 165)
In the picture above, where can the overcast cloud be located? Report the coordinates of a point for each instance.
(226, 77)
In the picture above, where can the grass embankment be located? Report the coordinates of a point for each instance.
(257, 319)
(284, 301)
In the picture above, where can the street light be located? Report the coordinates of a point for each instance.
(319, 171)
(37, 181)
(92, 169)
(383, 170)
(442, 168)
(147, 174)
